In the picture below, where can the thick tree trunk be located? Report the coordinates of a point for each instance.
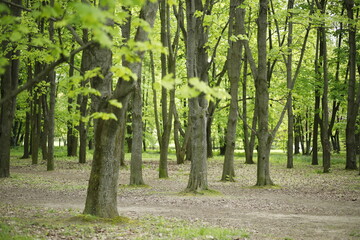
(234, 66)
(352, 106)
(101, 197)
(262, 98)
(9, 82)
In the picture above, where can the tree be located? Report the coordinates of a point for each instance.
(353, 98)
(167, 67)
(289, 63)
(9, 82)
(323, 61)
(196, 62)
(234, 65)
(262, 98)
(102, 189)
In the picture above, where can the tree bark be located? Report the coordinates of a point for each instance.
(71, 137)
(9, 82)
(290, 139)
(52, 96)
(101, 197)
(262, 98)
(234, 65)
(136, 146)
(317, 119)
(352, 106)
(196, 62)
(325, 140)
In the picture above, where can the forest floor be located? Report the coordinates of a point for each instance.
(305, 203)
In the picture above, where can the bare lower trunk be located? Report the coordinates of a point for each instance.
(102, 190)
(198, 173)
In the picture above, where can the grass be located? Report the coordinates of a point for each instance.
(7, 233)
(40, 223)
(172, 228)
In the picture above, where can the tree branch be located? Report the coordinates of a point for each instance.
(42, 74)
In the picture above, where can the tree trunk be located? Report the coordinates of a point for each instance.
(136, 151)
(101, 197)
(325, 139)
(51, 113)
(247, 143)
(290, 136)
(352, 106)
(234, 65)
(26, 153)
(71, 137)
(317, 119)
(35, 129)
(262, 98)
(9, 82)
(196, 61)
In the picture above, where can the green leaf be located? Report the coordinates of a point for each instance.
(95, 72)
(104, 116)
(123, 72)
(115, 103)
(168, 81)
(15, 36)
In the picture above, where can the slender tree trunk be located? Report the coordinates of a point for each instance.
(290, 137)
(137, 126)
(71, 135)
(317, 119)
(35, 125)
(352, 106)
(26, 153)
(262, 98)
(197, 61)
(247, 141)
(325, 140)
(234, 65)
(52, 97)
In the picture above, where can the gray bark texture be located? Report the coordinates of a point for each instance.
(290, 141)
(234, 65)
(325, 138)
(101, 197)
(262, 98)
(196, 63)
(352, 103)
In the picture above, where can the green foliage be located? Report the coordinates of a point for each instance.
(168, 228)
(86, 218)
(7, 232)
(197, 87)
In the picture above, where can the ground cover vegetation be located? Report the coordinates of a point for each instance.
(195, 78)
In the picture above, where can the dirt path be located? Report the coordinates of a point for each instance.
(331, 210)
